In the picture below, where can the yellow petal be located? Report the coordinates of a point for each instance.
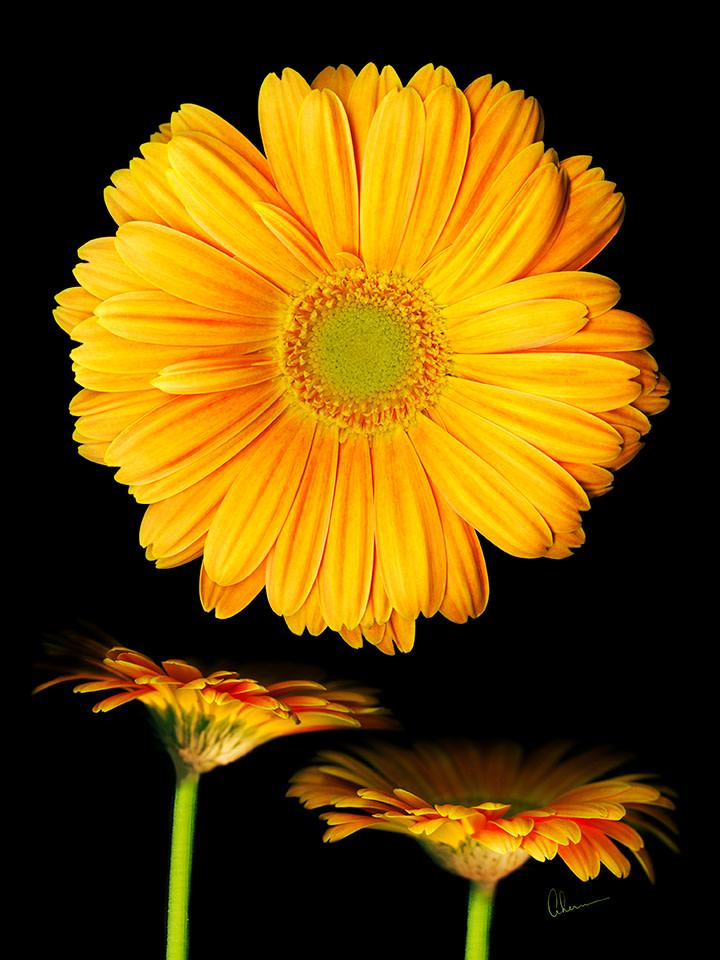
(105, 274)
(466, 594)
(109, 382)
(184, 429)
(340, 81)
(102, 350)
(429, 78)
(368, 91)
(562, 431)
(279, 107)
(596, 292)
(210, 462)
(447, 134)
(479, 493)
(150, 177)
(327, 172)
(295, 559)
(197, 272)
(105, 415)
(393, 158)
(296, 238)
(591, 382)
(509, 246)
(594, 215)
(309, 617)
(219, 188)
(75, 304)
(378, 607)
(613, 332)
(510, 124)
(554, 493)
(227, 601)
(518, 326)
(172, 525)
(482, 96)
(126, 202)
(253, 512)
(190, 117)
(410, 545)
(153, 316)
(346, 569)
(220, 372)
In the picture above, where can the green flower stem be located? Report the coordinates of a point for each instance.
(181, 850)
(480, 904)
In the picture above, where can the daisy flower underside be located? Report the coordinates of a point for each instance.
(209, 720)
(324, 368)
(481, 811)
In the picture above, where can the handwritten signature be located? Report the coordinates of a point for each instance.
(557, 904)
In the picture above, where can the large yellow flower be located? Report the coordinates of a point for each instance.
(325, 368)
(482, 810)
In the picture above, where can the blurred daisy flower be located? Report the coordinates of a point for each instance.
(209, 720)
(325, 367)
(482, 810)
(204, 721)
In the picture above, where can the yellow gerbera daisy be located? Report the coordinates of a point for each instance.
(324, 368)
(481, 810)
(209, 720)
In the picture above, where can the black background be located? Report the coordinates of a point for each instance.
(607, 646)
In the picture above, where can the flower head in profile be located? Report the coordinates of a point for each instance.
(482, 810)
(325, 367)
(209, 720)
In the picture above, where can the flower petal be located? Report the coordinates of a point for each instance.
(551, 490)
(509, 245)
(466, 593)
(368, 91)
(562, 431)
(407, 524)
(498, 135)
(447, 134)
(328, 176)
(479, 493)
(153, 316)
(105, 274)
(218, 188)
(582, 380)
(393, 158)
(195, 271)
(598, 293)
(229, 600)
(594, 215)
(279, 108)
(257, 505)
(347, 563)
(220, 372)
(518, 326)
(184, 429)
(294, 562)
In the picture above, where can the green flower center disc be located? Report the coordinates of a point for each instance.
(362, 350)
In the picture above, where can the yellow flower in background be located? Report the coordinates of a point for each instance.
(211, 720)
(325, 368)
(482, 810)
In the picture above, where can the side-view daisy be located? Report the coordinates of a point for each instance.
(204, 720)
(325, 367)
(482, 810)
(207, 720)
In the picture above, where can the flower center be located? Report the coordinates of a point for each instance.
(364, 351)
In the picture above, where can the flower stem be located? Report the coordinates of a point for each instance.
(480, 904)
(181, 850)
